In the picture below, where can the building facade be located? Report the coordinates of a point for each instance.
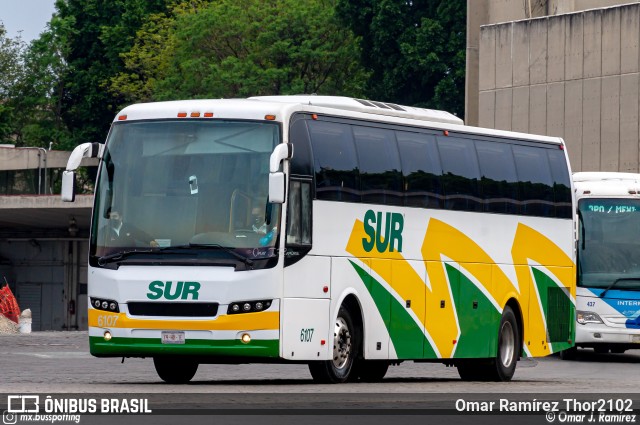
(43, 241)
(560, 68)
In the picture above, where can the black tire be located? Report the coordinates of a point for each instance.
(345, 350)
(569, 353)
(175, 370)
(618, 350)
(503, 366)
(371, 370)
(601, 349)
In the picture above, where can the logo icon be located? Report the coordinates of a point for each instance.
(20, 404)
(9, 418)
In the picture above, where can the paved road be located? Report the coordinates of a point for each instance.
(60, 362)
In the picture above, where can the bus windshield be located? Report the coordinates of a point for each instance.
(185, 188)
(609, 247)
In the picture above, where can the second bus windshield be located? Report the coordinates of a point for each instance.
(609, 243)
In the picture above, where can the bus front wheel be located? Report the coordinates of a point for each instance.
(175, 370)
(345, 350)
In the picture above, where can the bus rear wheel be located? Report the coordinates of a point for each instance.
(175, 370)
(503, 366)
(345, 351)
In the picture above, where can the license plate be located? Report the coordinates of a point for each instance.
(172, 337)
(635, 338)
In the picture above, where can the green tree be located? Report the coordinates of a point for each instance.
(98, 31)
(37, 93)
(235, 49)
(415, 50)
(11, 52)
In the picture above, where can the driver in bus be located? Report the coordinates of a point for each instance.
(117, 232)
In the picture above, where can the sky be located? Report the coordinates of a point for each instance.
(28, 16)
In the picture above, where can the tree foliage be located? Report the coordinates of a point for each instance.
(227, 49)
(11, 52)
(96, 56)
(98, 32)
(414, 49)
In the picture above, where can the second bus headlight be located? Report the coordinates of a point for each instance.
(584, 317)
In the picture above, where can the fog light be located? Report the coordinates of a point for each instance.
(246, 338)
(107, 336)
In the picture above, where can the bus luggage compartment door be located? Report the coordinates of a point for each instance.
(305, 329)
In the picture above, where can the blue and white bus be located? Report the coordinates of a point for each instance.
(608, 293)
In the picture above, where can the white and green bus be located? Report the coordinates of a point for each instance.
(342, 233)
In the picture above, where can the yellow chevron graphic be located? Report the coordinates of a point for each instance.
(443, 240)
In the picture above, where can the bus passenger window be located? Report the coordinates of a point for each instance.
(421, 169)
(336, 164)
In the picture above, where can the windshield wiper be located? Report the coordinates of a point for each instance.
(245, 260)
(116, 256)
(615, 282)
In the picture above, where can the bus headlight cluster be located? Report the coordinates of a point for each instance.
(248, 306)
(584, 317)
(106, 305)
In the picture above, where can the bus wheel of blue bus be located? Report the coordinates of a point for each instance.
(569, 353)
(370, 370)
(345, 350)
(174, 370)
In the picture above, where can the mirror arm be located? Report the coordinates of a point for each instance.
(85, 150)
(282, 151)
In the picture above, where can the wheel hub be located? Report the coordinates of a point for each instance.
(341, 344)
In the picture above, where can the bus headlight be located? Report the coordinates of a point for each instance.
(105, 305)
(584, 317)
(248, 306)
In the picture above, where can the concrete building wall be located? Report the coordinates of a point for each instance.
(574, 76)
(487, 12)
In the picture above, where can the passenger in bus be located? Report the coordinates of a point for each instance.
(117, 232)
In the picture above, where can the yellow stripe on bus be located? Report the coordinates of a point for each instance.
(266, 320)
(528, 245)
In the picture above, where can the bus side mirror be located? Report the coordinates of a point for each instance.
(277, 190)
(85, 150)
(68, 192)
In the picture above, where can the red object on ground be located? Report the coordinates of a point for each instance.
(8, 304)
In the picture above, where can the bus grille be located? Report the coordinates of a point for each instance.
(173, 309)
(558, 315)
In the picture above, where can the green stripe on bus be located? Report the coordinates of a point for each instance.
(559, 311)
(407, 337)
(119, 346)
(478, 318)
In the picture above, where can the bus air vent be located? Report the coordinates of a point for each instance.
(173, 309)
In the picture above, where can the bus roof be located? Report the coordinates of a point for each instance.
(605, 184)
(258, 107)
